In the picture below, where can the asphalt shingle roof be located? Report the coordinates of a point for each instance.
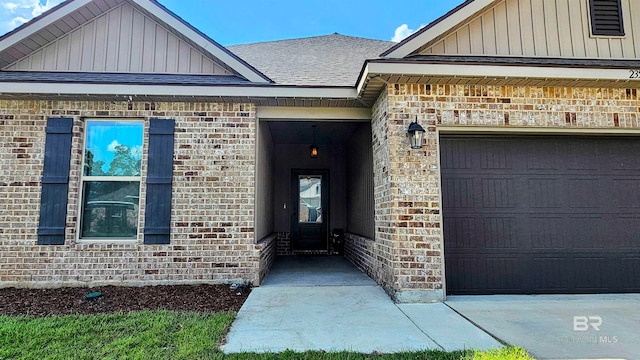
(120, 78)
(330, 60)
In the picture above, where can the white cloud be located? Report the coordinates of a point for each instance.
(10, 6)
(14, 13)
(114, 144)
(403, 31)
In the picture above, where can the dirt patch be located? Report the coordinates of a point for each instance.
(115, 299)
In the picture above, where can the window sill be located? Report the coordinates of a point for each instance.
(110, 241)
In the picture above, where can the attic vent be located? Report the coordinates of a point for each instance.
(606, 17)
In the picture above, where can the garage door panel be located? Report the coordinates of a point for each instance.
(626, 192)
(456, 155)
(626, 158)
(587, 280)
(582, 155)
(460, 193)
(498, 192)
(496, 154)
(462, 231)
(584, 193)
(500, 232)
(550, 275)
(541, 156)
(629, 270)
(625, 232)
(585, 232)
(504, 274)
(545, 193)
(546, 214)
(547, 233)
(466, 274)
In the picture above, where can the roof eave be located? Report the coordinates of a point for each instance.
(129, 89)
(38, 23)
(619, 75)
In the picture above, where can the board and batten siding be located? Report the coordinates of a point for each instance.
(264, 182)
(539, 28)
(360, 194)
(120, 40)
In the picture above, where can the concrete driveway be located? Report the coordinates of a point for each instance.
(559, 326)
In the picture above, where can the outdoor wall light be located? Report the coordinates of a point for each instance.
(416, 134)
(314, 147)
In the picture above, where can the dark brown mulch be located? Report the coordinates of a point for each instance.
(115, 299)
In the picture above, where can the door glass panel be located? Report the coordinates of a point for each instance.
(310, 199)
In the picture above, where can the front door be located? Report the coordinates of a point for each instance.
(310, 215)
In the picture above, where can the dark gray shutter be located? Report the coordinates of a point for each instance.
(55, 181)
(159, 182)
(606, 17)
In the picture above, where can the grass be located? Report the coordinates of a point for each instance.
(165, 335)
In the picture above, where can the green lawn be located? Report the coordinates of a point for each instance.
(161, 335)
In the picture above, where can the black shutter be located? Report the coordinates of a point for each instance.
(55, 181)
(606, 17)
(159, 182)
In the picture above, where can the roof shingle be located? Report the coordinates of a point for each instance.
(330, 60)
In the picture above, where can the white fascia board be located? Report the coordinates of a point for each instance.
(238, 66)
(41, 23)
(500, 71)
(307, 113)
(362, 80)
(438, 29)
(168, 90)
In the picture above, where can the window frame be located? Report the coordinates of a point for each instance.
(85, 178)
(592, 22)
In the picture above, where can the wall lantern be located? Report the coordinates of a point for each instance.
(416, 134)
(314, 147)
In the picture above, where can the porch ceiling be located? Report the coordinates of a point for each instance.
(301, 132)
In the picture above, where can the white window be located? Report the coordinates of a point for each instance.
(111, 179)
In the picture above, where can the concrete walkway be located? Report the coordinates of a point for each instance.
(325, 303)
(560, 326)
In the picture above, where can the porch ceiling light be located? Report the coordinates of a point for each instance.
(416, 134)
(314, 147)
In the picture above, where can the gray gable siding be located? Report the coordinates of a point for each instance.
(539, 28)
(121, 40)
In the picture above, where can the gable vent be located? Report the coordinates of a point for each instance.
(606, 17)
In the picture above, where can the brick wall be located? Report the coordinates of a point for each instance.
(361, 252)
(212, 235)
(268, 252)
(284, 243)
(407, 182)
(385, 245)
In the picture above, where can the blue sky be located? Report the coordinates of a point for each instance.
(104, 136)
(247, 21)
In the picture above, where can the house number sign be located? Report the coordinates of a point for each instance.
(635, 74)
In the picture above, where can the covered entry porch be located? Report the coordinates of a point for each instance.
(313, 204)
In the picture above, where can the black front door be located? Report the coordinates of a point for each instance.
(310, 215)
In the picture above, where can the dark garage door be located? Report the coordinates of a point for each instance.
(536, 215)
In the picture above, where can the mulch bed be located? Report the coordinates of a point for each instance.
(115, 299)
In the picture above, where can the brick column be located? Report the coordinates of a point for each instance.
(407, 195)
